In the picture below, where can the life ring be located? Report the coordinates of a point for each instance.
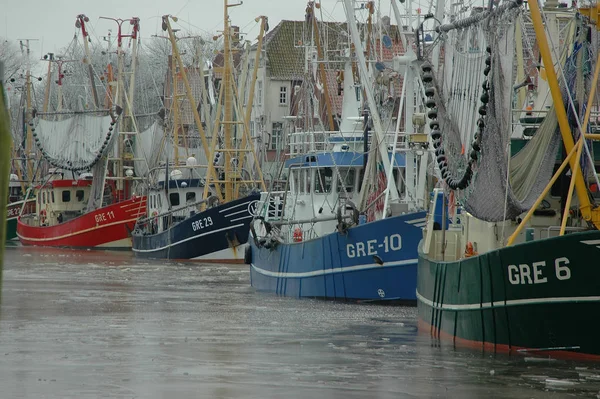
(212, 201)
(297, 234)
(43, 218)
(469, 250)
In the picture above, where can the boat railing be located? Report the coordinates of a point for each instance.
(569, 229)
(309, 142)
(270, 206)
(181, 210)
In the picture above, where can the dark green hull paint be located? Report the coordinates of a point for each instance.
(11, 229)
(473, 301)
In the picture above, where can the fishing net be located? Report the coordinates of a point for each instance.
(76, 143)
(471, 118)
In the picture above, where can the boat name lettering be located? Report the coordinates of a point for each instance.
(201, 223)
(10, 212)
(368, 248)
(104, 216)
(534, 273)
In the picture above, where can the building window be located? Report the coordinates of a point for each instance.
(282, 95)
(259, 90)
(276, 135)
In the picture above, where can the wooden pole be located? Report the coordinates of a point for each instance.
(521, 225)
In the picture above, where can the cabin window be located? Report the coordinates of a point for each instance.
(190, 197)
(348, 176)
(44, 197)
(66, 196)
(79, 194)
(301, 180)
(53, 197)
(174, 199)
(159, 202)
(324, 180)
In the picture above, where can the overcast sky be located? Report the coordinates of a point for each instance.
(52, 23)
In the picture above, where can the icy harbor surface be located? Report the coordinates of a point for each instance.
(85, 324)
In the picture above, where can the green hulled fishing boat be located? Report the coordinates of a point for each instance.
(508, 260)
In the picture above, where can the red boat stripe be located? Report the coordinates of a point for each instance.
(503, 348)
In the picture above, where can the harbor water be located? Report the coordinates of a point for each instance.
(85, 324)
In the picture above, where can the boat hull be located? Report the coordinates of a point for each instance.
(539, 297)
(217, 234)
(12, 214)
(375, 261)
(108, 227)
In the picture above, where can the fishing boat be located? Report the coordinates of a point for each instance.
(347, 224)
(202, 211)
(80, 203)
(513, 270)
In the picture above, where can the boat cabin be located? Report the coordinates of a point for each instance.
(15, 192)
(168, 206)
(62, 200)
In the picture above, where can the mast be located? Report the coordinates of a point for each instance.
(5, 145)
(127, 126)
(29, 115)
(323, 75)
(379, 135)
(227, 83)
(80, 23)
(246, 141)
(50, 58)
(207, 150)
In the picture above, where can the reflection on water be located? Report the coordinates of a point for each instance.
(87, 324)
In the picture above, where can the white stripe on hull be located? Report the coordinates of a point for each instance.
(188, 239)
(124, 243)
(334, 270)
(235, 206)
(227, 254)
(420, 220)
(512, 302)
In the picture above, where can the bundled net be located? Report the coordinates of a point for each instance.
(76, 143)
(471, 118)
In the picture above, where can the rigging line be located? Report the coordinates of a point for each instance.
(211, 33)
(184, 6)
(571, 103)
